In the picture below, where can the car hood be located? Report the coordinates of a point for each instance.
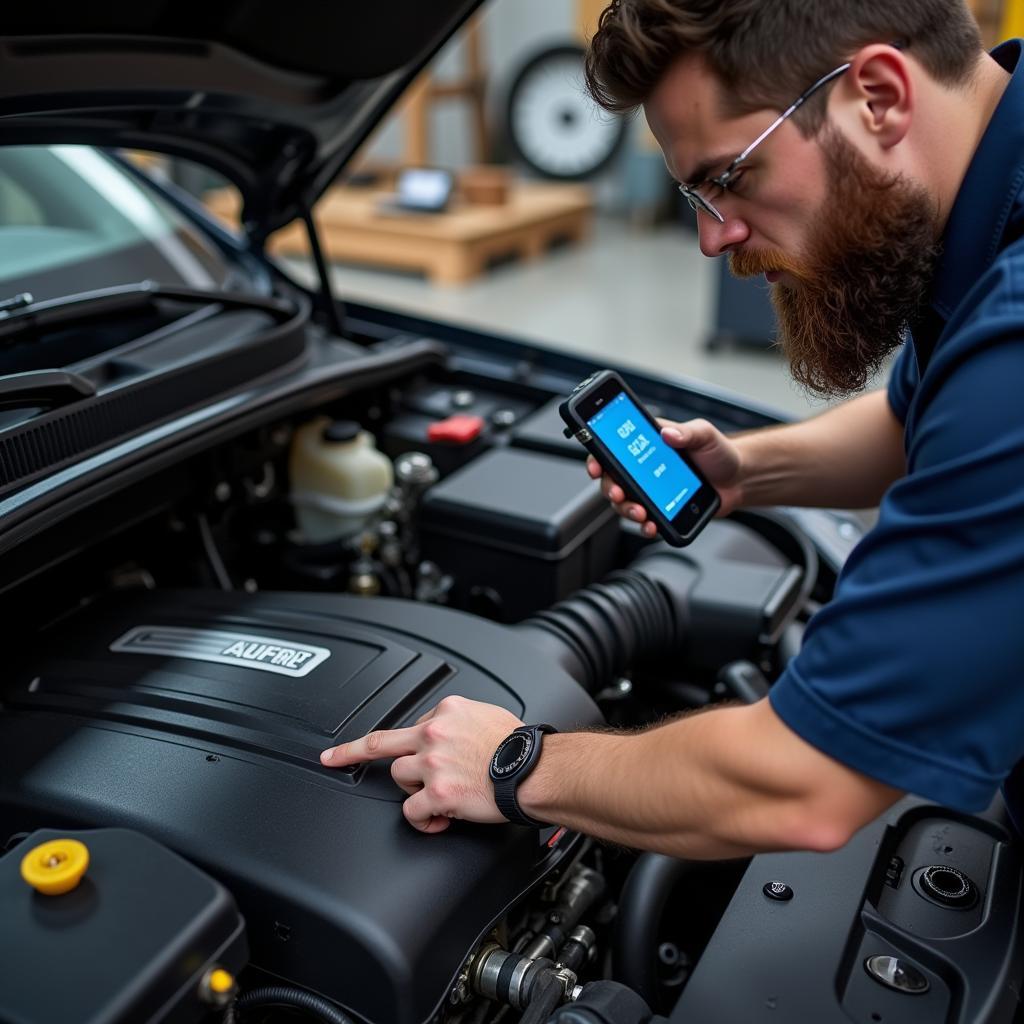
(276, 97)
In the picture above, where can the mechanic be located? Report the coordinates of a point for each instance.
(889, 196)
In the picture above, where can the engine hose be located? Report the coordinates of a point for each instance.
(577, 949)
(579, 894)
(634, 946)
(282, 995)
(643, 611)
(603, 628)
(547, 994)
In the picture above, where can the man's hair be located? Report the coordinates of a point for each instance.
(767, 52)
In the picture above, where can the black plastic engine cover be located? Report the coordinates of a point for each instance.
(198, 719)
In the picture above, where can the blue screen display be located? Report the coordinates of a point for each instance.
(655, 468)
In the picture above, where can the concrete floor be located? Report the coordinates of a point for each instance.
(638, 297)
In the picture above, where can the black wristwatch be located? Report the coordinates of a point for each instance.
(512, 762)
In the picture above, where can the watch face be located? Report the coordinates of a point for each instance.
(511, 755)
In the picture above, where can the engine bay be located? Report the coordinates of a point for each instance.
(191, 639)
(235, 747)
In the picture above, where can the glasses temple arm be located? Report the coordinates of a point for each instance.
(789, 112)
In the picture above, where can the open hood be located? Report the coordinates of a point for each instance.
(275, 96)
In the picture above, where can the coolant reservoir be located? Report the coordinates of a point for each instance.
(338, 478)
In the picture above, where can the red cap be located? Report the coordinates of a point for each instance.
(456, 429)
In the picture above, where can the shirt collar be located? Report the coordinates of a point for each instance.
(988, 195)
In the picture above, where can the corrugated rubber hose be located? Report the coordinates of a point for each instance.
(281, 995)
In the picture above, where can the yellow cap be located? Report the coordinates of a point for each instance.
(221, 981)
(55, 867)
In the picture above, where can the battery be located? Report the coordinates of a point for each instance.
(519, 530)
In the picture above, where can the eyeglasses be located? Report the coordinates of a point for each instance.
(698, 195)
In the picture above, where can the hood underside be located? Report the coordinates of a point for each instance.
(276, 97)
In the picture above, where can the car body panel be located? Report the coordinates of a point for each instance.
(276, 104)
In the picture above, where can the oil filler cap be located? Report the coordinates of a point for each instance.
(55, 867)
(947, 886)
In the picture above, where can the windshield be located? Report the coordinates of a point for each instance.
(73, 220)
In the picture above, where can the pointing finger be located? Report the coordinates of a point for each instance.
(375, 745)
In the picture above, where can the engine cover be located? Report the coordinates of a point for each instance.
(198, 718)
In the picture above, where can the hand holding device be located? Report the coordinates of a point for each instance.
(607, 417)
(712, 452)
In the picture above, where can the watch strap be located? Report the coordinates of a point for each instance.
(505, 799)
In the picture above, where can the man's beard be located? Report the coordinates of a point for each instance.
(863, 279)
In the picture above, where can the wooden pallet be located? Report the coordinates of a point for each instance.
(450, 248)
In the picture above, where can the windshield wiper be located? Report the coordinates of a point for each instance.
(22, 314)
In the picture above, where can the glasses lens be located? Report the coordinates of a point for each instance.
(698, 202)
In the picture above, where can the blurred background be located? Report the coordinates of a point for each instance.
(497, 196)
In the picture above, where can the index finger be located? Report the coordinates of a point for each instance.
(372, 747)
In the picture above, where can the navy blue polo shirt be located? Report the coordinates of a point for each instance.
(914, 673)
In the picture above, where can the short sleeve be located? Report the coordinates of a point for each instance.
(914, 673)
(903, 380)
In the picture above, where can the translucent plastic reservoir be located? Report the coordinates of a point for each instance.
(339, 480)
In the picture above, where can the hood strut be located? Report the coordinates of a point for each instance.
(331, 307)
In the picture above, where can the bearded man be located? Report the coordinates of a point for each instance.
(867, 157)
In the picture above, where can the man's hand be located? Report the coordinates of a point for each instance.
(441, 762)
(712, 452)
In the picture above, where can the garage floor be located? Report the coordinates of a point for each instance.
(634, 296)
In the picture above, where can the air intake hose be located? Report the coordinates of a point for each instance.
(634, 614)
(645, 611)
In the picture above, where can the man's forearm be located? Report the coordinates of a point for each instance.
(602, 785)
(845, 458)
(724, 783)
(721, 783)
